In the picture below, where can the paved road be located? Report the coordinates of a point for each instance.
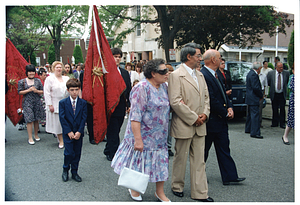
(33, 172)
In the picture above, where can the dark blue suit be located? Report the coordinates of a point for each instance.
(72, 123)
(217, 127)
(253, 95)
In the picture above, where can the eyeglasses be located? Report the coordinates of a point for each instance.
(162, 72)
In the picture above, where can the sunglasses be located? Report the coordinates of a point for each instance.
(163, 72)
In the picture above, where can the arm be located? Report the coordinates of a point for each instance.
(63, 121)
(176, 99)
(136, 130)
(47, 94)
(82, 121)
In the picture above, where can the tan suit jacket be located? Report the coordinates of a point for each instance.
(182, 86)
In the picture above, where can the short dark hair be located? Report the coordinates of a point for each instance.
(189, 48)
(116, 51)
(41, 71)
(152, 66)
(223, 59)
(73, 82)
(277, 58)
(29, 68)
(265, 61)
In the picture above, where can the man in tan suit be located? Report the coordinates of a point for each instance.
(189, 98)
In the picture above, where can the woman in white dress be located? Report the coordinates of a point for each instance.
(138, 74)
(55, 90)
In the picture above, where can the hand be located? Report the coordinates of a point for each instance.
(31, 89)
(77, 135)
(198, 121)
(138, 145)
(51, 108)
(203, 117)
(128, 110)
(182, 102)
(71, 135)
(230, 113)
(34, 89)
(228, 92)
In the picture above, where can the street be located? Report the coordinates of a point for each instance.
(33, 172)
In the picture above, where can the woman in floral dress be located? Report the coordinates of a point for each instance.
(33, 111)
(291, 117)
(147, 129)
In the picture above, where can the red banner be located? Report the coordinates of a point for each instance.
(100, 88)
(15, 71)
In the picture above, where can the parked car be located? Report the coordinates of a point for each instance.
(238, 71)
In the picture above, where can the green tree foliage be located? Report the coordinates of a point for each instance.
(59, 21)
(210, 26)
(238, 25)
(51, 54)
(77, 53)
(270, 65)
(33, 59)
(23, 33)
(290, 56)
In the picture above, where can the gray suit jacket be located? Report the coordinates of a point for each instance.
(271, 82)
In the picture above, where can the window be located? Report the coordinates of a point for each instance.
(138, 10)
(267, 59)
(77, 42)
(138, 30)
(87, 44)
(38, 61)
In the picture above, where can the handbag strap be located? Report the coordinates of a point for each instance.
(143, 163)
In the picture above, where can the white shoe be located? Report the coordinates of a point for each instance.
(20, 127)
(160, 199)
(31, 143)
(37, 139)
(136, 198)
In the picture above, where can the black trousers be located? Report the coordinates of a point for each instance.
(89, 121)
(112, 135)
(226, 163)
(278, 110)
(72, 153)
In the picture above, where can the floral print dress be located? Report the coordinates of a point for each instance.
(149, 106)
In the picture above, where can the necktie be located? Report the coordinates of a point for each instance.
(279, 82)
(73, 106)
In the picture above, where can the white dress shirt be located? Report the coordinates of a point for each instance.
(192, 72)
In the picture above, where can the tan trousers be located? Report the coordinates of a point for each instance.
(195, 148)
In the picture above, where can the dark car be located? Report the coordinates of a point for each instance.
(238, 71)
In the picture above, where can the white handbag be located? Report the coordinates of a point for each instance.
(134, 180)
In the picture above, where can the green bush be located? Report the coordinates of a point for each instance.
(290, 57)
(77, 53)
(270, 65)
(51, 54)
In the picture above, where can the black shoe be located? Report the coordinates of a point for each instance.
(286, 143)
(171, 154)
(209, 199)
(104, 140)
(92, 142)
(180, 194)
(65, 176)
(257, 136)
(282, 126)
(109, 158)
(247, 132)
(76, 177)
(274, 125)
(234, 181)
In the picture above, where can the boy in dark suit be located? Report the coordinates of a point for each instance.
(72, 116)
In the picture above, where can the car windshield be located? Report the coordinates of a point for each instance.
(239, 71)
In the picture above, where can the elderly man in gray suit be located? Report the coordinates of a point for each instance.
(278, 80)
(189, 98)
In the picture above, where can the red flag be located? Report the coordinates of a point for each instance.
(15, 71)
(68, 60)
(102, 82)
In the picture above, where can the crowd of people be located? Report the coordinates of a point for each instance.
(190, 104)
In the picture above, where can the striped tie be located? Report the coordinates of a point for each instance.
(73, 106)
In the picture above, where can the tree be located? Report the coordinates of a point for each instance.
(59, 20)
(77, 53)
(51, 54)
(211, 26)
(23, 33)
(237, 25)
(290, 56)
